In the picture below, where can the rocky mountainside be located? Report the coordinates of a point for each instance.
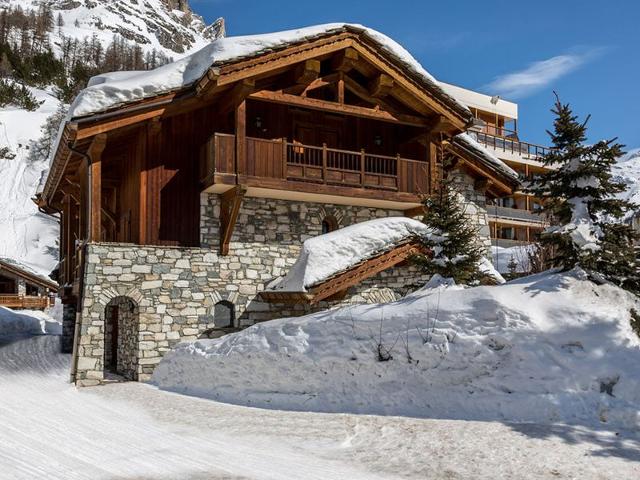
(169, 26)
(43, 45)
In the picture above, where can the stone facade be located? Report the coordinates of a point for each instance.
(476, 205)
(166, 295)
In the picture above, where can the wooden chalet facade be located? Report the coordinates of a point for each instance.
(22, 288)
(332, 123)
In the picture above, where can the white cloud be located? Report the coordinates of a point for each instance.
(538, 75)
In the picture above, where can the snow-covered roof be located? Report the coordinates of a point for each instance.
(27, 271)
(327, 255)
(467, 142)
(113, 89)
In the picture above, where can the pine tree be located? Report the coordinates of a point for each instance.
(458, 254)
(513, 267)
(579, 193)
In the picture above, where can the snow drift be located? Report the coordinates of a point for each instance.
(29, 322)
(548, 348)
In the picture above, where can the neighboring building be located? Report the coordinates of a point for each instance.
(514, 219)
(185, 191)
(21, 287)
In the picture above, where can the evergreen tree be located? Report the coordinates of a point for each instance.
(579, 193)
(513, 267)
(458, 253)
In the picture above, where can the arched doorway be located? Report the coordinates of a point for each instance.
(121, 341)
(224, 314)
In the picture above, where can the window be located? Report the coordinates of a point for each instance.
(329, 224)
(224, 314)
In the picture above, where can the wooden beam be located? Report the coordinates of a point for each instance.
(238, 94)
(307, 72)
(380, 86)
(231, 201)
(365, 270)
(363, 93)
(333, 107)
(68, 242)
(241, 137)
(71, 189)
(344, 60)
(317, 83)
(95, 216)
(414, 212)
(102, 127)
(341, 89)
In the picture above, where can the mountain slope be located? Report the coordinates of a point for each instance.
(627, 170)
(160, 30)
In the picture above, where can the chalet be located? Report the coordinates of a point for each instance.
(183, 192)
(21, 287)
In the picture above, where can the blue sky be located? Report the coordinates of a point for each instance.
(588, 51)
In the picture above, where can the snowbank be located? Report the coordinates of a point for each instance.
(110, 90)
(327, 255)
(28, 322)
(547, 348)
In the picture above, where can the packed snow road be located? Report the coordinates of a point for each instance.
(51, 430)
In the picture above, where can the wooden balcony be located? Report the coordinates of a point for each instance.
(28, 302)
(295, 166)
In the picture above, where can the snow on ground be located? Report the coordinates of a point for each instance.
(547, 348)
(133, 431)
(25, 234)
(326, 255)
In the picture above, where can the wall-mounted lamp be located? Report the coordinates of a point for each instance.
(258, 122)
(377, 140)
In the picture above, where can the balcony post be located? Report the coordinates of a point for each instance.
(241, 138)
(324, 162)
(285, 159)
(362, 169)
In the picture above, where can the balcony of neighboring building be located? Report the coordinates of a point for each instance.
(517, 210)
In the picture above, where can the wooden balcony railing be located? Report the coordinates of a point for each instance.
(511, 145)
(283, 160)
(23, 301)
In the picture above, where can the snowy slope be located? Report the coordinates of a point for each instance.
(546, 348)
(627, 170)
(25, 234)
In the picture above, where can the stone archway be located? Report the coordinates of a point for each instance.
(121, 339)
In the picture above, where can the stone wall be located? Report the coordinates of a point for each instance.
(476, 205)
(174, 290)
(68, 326)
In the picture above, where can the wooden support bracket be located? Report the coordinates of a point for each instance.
(381, 86)
(307, 72)
(345, 60)
(231, 200)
